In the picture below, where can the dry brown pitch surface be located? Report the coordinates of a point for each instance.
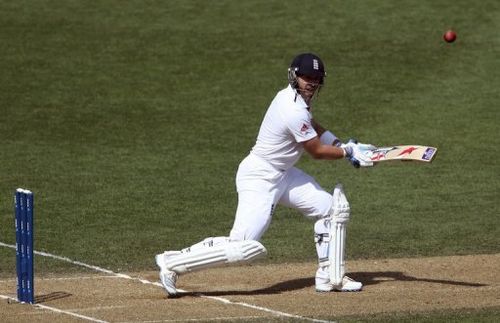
(263, 292)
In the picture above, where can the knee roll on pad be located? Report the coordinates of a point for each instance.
(210, 255)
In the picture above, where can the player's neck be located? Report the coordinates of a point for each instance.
(307, 100)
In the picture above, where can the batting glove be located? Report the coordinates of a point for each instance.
(358, 154)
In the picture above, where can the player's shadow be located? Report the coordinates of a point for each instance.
(51, 296)
(367, 278)
(377, 277)
(278, 288)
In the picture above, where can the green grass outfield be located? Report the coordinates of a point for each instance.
(128, 120)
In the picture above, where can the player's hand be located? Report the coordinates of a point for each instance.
(362, 146)
(359, 154)
(366, 147)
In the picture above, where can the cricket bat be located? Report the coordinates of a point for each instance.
(405, 153)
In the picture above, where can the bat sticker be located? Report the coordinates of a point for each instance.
(429, 152)
(403, 152)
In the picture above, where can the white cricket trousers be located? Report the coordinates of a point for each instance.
(261, 187)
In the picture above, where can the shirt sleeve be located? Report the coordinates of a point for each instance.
(300, 126)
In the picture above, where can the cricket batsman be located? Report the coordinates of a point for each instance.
(267, 178)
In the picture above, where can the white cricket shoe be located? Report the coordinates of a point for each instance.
(168, 278)
(349, 285)
(323, 283)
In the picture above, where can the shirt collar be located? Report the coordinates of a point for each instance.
(297, 97)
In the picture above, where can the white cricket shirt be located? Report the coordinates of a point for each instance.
(286, 125)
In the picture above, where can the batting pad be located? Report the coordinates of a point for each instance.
(339, 217)
(214, 256)
(337, 253)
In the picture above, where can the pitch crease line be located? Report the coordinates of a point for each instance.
(145, 281)
(10, 280)
(53, 309)
(217, 319)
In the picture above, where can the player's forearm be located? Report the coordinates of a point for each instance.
(329, 152)
(319, 150)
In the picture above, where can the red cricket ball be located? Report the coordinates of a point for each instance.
(450, 36)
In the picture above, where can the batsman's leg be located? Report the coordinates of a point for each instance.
(211, 252)
(168, 278)
(322, 241)
(330, 234)
(337, 250)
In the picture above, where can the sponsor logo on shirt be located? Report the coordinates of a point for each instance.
(305, 129)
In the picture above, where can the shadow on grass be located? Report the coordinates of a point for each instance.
(367, 278)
